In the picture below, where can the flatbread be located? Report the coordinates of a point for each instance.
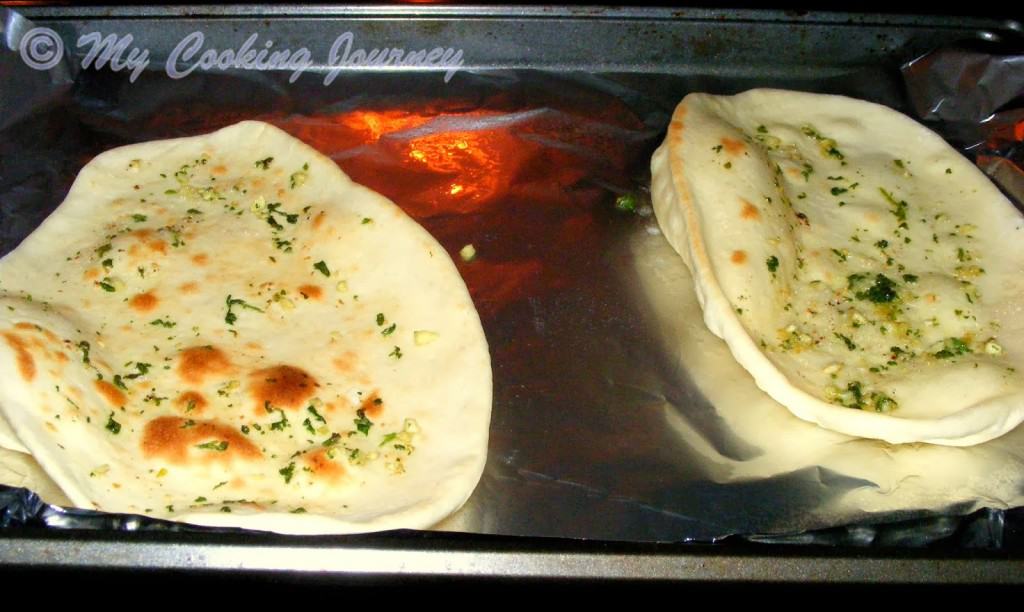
(866, 275)
(226, 330)
(748, 437)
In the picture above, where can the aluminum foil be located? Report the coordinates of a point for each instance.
(616, 416)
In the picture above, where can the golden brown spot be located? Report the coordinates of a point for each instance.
(318, 220)
(110, 393)
(174, 439)
(738, 257)
(26, 364)
(346, 363)
(256, 346)
(373, 405)
(733, 147)
(199, 362)
(931, 298)
(749, 210)
(311, 292)
(133, 250)
(200, 259)
(320, 464)
(191, 402)
(144, 302)
(189, 287)
(157, 246)
(282, 386)
(61, 356)
(257, 183)
(92, 274)
(154, 244)
(219, 170)
(27, 326)
(281, 193)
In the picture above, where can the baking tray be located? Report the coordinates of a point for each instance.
(621, 70)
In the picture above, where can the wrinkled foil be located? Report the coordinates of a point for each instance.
(616, 415)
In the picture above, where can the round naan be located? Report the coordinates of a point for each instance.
(867, 275)
(226, 330)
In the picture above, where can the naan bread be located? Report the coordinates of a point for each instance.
(226, 330)
(867, 276)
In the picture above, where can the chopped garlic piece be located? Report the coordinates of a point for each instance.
(993, 348)
(422, 337)
(468, 253)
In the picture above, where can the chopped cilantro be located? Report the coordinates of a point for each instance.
(882, 290)
(263, 164)
(849, 343)
(287, 472)
(231, 317)
(627, 202)
(216, 445)
(363, 424)
(113, 426)
(322, 268)
(772, 263)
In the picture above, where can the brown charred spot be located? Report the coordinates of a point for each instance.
(112, 394)
(199, 362)
(281, 386)
(176, 439)
(148, 238)
(39, 329)
(201, 259)
(373, 405)
(311, 292)
(803, 219)
(749, 211)
(319, 219)
(26, 364)
(346, 363)
(321, 465)
(190, 287)
(144, 302)
(733, 147)
(738, 257)
(191, 402)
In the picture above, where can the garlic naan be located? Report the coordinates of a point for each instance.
(226, 330)
(868, 276)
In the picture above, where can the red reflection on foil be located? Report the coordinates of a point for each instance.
(415, 158)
